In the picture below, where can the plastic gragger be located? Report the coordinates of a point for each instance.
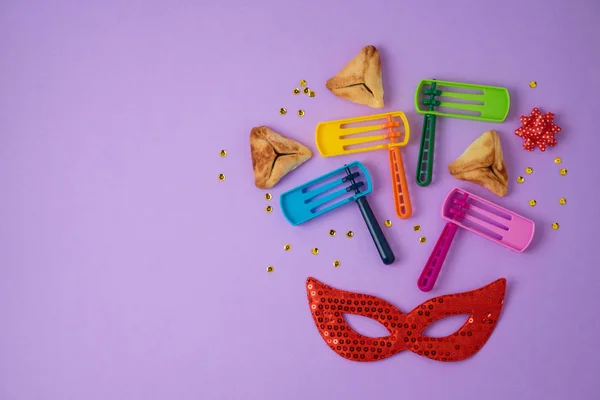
(351, 135)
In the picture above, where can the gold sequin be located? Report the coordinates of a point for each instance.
(301, 113)
(533, 84)
(349, 234)
(337, 263)
(562, 201)
(306, 90)
(388, 223)
(287, 247)
(315, 251)
(268, 208)
(529, 170)
(557, 160)
(563, 171)
(312, 94)
(282, 111)
(555, 225)
(221, 177)
(302, 82)
(270, 268)
(532, 202)
(223, 153)
(422, 239)
(331, 232)
(417, 228)
(296, 91)
(520, 179)
(268, 196)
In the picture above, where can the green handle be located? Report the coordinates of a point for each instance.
(425, 163)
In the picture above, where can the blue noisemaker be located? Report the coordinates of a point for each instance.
(331, 191)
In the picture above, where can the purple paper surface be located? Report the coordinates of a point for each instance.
(129, 271)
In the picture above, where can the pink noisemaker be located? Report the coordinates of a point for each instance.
(464, 209)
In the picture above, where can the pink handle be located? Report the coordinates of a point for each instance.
(436, 259)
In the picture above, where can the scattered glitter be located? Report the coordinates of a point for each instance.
(417, 228)
(270, 268)
(221, 177)
(306, 90)
(533, 84)
(268, 208)
(555, 225)
(296, 91)
(282, 111)
(557, 160)
(331, 232)
(520, 179)
(287, 247)
(315, 251)
(563, 171)
(349, 234)
(268, 196)
(312, 94)
(388, 223)
(562, 201)
(532, 203)
(301, 113)
(337, 263)
(422, 239)
(223, 153)
(302, 82)
(529, 170)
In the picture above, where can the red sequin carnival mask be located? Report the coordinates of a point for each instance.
(328, 305)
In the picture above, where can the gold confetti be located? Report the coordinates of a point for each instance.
(557, 160)
(302, 82)
(533, 84)
(301, 113)
(422, 239)
(268, 208)
(349, 234)
(312, 94)
(562, 201)
(532, 203)
(296, 91)
(223, 153)
(221, 177)
(306, 90)
(555, 225)
(337, 263)
(529, 170)
(287, 247)
(520, 179)
(270, 268)
(268, 196)
(331, 232)
(563, 171)
(417, 228)
(315, 251)
(282, 111)
(388, 223)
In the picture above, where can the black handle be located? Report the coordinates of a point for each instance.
(379, 239)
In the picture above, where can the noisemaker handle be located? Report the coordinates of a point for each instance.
(399, 184)
(425, 163)
(436, 259)
(383, 247)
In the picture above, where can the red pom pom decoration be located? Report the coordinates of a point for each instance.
(538, 130)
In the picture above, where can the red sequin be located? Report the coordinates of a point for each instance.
(328, 306)
(538, 130)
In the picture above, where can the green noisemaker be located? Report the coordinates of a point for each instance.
(457, 100)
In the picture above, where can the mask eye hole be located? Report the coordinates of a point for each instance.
(446, 326)
(366, 326)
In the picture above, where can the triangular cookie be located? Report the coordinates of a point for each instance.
(273, 156)
(483, 163)
(360, 80)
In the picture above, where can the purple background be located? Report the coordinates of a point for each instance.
(128, 271)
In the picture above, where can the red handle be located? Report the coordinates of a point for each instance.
(436, 259)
